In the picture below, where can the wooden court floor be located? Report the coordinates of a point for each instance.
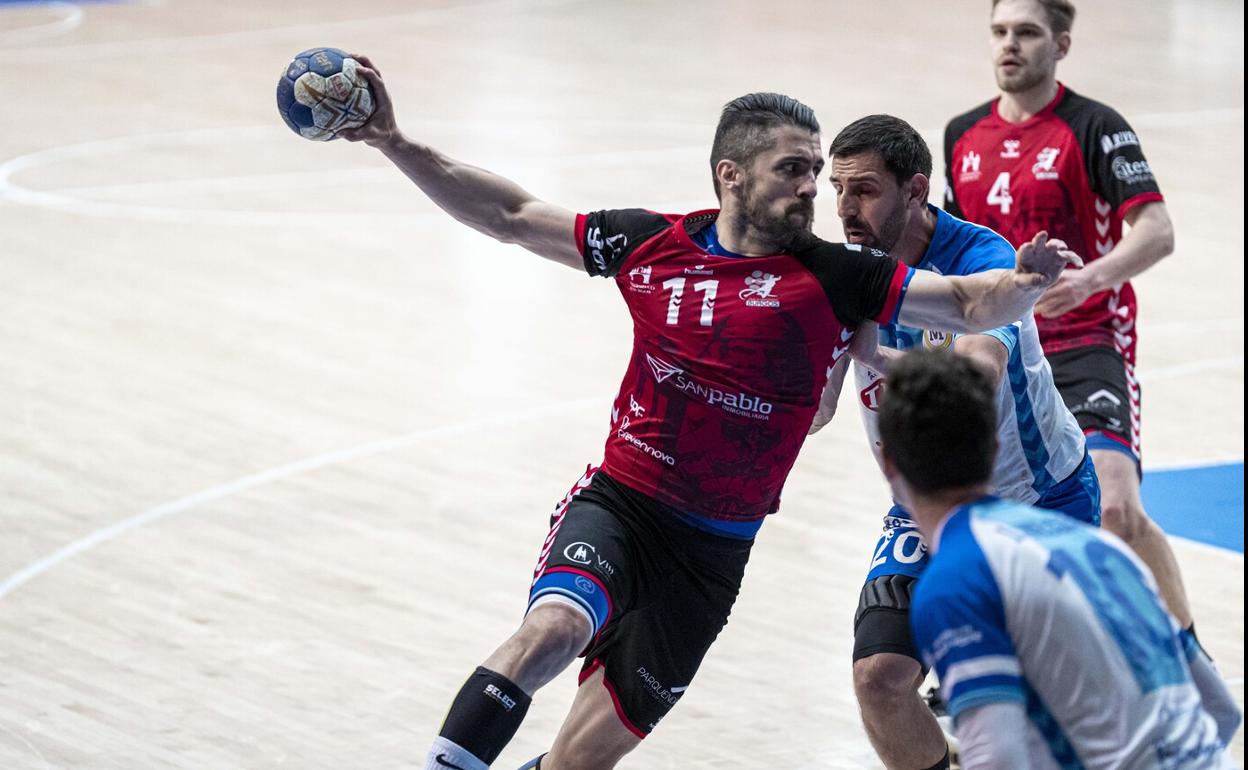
(278, 441)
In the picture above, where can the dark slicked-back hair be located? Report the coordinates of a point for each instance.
(938, 421)
(900, 147)
(1060, 13)
(746, 123)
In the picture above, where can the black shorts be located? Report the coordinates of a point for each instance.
(1101, 391)
(657, 591)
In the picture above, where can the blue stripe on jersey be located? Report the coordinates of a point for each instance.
(1008, 335)
(984, 690)
(1047, 725)
(585, 593)
(738, 530)
(1029, 433)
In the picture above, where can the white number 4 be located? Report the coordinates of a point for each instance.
(999, 195)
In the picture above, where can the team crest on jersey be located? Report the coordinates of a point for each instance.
(970, 167)
(639, 279)
(1043, 167)
(760, 289)
(937, 340)
(1009, 148)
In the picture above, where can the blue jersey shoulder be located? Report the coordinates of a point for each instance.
(959, 247)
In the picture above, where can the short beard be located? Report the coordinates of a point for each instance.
(1022, 81)
(782, 231)
(890, 232)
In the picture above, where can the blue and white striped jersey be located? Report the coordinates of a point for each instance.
(1025, 606)
(1040, 441)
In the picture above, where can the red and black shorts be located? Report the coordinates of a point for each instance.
(1099, 387)
(656, 591)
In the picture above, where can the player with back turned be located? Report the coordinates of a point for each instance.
(737, 313)
(1053, 649)
(1041, 157)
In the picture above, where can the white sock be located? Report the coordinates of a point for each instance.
(448, 755)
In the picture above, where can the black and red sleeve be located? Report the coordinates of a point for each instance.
(607, 238)
(862, 284)
(1115, 162)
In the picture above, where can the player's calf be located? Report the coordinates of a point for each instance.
(490, 706)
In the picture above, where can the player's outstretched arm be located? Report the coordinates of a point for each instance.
(983, 301)
(480, 199)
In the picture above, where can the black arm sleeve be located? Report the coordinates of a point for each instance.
(1117, 168)
(607, 238)
(859, 282)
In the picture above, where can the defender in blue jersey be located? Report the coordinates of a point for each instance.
(1053, 648)
(880, 170)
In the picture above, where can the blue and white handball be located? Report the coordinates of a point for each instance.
(321, 92)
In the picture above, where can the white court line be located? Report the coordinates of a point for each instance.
(281, 472)
(71, 19)
(298, 32)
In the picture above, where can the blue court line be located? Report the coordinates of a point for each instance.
(1204, 504)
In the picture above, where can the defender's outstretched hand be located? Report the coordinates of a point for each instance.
(1040, 262)
(381, 128)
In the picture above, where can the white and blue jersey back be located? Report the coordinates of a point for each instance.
(1041, 457)
(1020, 606)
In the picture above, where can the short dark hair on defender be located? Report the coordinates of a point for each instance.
(900, 147)
(938, 420)
(745, 126)
(1061, 14)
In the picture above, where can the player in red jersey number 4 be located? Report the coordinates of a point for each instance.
(1041, 157)
(738, 313)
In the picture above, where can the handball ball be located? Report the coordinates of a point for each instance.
(321, 93)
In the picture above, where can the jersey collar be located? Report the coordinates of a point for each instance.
(1048, 108)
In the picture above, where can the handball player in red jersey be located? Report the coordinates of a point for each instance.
(738, 313)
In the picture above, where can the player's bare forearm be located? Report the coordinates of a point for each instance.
(983, 301)
(1150, 239)
(484, 201)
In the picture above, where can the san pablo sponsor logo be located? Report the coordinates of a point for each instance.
(740, 404)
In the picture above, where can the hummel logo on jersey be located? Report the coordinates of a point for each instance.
(443, 760)
(1010, 148)
(970, 166)
(1043, 168)
(662, 370)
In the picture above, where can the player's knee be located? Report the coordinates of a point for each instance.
(1126, 520)
(886, 678)
(554, 632)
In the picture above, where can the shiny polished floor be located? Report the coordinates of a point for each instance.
(278, 440)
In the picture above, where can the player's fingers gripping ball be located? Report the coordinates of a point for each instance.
(321, 93)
